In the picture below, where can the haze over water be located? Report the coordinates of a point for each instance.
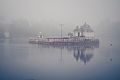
(23, 19)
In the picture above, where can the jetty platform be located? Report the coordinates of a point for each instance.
(65, 41)
(82, 35)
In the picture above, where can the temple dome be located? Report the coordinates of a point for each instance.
(86, 28)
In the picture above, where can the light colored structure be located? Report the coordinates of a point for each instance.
(40, 35)
(84, 31)
(70, 34)
(83, 35)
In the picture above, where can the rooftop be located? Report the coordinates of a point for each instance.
(84, 28)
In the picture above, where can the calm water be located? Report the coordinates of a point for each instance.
(20, 60)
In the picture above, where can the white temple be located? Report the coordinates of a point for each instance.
(84, 31)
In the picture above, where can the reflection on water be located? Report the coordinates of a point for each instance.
(20, 60)
(80, 52)
(83, 55)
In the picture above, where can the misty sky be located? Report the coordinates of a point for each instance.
(61, 11)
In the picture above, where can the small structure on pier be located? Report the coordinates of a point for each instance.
(70, 34)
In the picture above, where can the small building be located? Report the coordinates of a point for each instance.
(40, 35)
(70, 34)
(84, 31)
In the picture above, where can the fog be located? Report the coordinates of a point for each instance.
(22, 20)
(25, 18)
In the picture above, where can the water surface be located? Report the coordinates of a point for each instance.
(20, 60)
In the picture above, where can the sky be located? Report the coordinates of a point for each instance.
(61, 11)
(46, 16)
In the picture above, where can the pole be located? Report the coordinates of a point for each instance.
(61, 29)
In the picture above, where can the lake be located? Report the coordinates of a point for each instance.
(20, 60)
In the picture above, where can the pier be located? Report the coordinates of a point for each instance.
(82, 35)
